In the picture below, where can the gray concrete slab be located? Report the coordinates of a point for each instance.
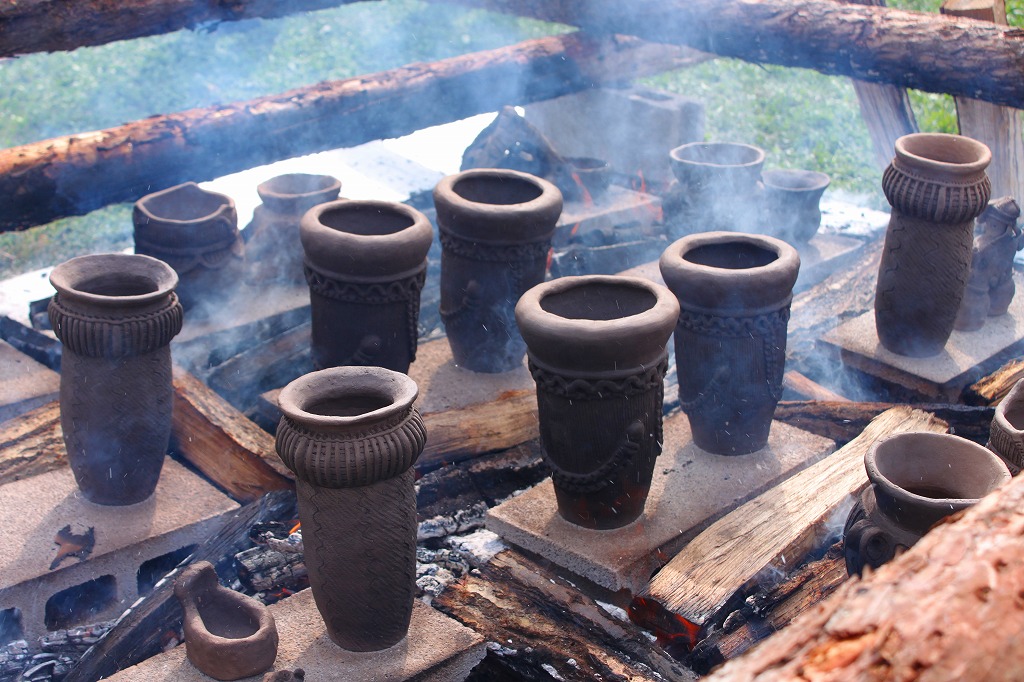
(691, 489)
(437, 648)
(966, 358)
(183, 511)
(24, 383)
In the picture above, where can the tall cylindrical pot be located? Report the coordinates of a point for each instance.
(917, 479)
(115, 315)
(597, 353)
(496, 228)
(366, 263)
(734, 294)
(351, 435)
(937, 186)
(195, 231)
(272, 248)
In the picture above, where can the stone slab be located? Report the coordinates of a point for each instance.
(183, 511)
(691, 489)
(967, 356)
(436, 648)
(24, 383)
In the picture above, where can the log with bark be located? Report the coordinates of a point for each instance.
(992, 389)
(32, 444)
(76, 174)
(950, 608)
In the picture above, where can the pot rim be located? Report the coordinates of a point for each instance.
(759, 154)
(905, 144)
(69, 275)
(548, 191)
(978, 453)
(266, 190)
(227, 203)
(817, 179)
(338, 382)
(1015, 394)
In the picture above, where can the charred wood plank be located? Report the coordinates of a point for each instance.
(139, 632)
(875, 44)
(540, 626)
(78, 173)
(779, 527)
(807, 389)
(52, 25)
(218, 440)
(948, 608)
(992, 389)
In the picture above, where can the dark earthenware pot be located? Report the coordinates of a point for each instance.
(496, 227)
(734, 293)
(1006, 434)
(917, 479)
(937, 186)
(597, 353)
(366, 262)
(592, 175)
(990, 287)
(351, 435)
(720, 184)
(196, 233)
(228, 635)
(115, 315)
(791, 203)
(273, 250)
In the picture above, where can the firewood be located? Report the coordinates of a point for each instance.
(219, 441)
(795, 382)
(542, 627)
(992, 389)
(32, 443)
(76, 174)
(844, 421)
(949, 608)
(140, 632)
(777, 528)
(876, 44)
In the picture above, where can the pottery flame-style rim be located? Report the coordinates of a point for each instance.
(69, 277)
(221, 203)
(397, 389)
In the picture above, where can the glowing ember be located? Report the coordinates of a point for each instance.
(671, 629)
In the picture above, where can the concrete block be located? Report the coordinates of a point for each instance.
(691, 490)
(183, 511)
(437, 648)
(24, 383)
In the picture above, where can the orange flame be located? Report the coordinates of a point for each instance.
(295, 528)
(588, 200)
(670, 628)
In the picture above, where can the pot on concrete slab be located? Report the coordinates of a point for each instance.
(937, 185)
(597, 353)
(917, 479)
(365, 263)
(496, 227)
(734, 293)
(351, 435)
(115, 315)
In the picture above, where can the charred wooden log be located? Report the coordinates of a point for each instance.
(76, 174)
(876, 44)
(32, 444)
(992, 389)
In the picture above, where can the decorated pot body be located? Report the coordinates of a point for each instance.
(597, 353)
(719, 184)
(351, 435)
(1006, 434)
(791, 204)
(115, 315)
(734, 294)
(273, 250)
(917, 479)
(496, 227)
(196, 233)
(937, 186)
(365, 263)
(228, 635)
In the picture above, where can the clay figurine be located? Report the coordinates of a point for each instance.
(990, 287)
(228, 635)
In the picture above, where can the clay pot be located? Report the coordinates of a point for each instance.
(917, 479)
(937, 186)
(791, 203)
(496, 227)
(273, 250)
(1006, 434)
(720, 184)
(366, 262)
(228, 635)
(734, 293)
(593, 175)
(196, 233)
(115, 315)
(351, 435)
(597, 353)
